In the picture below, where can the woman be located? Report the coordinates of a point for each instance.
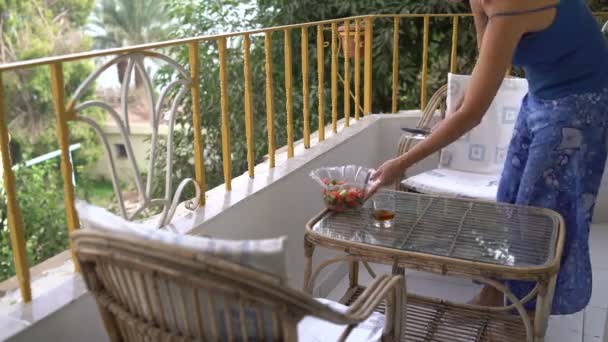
(558, 150)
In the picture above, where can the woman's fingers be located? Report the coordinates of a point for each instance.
(374, 182)
(371, 190)
(386, 174)
(372, 186)
(374, 175)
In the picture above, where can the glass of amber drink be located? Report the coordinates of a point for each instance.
(383, 209)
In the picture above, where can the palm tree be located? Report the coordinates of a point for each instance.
(129, 22)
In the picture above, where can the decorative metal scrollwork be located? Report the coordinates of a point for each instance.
(179, 86)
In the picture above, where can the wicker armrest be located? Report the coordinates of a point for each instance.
(423, 127)
(363, 306)
(384, 288)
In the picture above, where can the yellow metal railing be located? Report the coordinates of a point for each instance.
(363, 26)
(15, 220)
(395, 64)
(334, 77)
(357, 70)
(199, 172)
(367, 64)
(305, 86)
(269, 98)
(63, 116)
(226, 157)
(248, 104)
(346, 90)
(321, 79)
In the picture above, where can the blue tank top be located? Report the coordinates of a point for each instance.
(569, 57)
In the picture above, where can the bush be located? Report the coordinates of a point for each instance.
(40, 196)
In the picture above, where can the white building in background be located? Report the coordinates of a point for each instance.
(140, 135)
(108, 89)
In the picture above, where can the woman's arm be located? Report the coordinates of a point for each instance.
(498, 46)
(499, 42)
(481, 20)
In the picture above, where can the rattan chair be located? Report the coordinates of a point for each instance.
(152, 291)
(435, 109)
(470, 167)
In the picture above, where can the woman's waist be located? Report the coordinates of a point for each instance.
(567, 96)
(562, 83)
(575, 110)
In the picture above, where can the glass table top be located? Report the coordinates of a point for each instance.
(486, 232)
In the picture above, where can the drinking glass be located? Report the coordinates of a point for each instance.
(384, 209)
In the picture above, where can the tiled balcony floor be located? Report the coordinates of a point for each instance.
(586, 326)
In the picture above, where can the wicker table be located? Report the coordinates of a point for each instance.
(482, 241)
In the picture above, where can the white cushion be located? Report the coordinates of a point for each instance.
(484, 149)
(455, 183)
(267, 255)
(314, 329)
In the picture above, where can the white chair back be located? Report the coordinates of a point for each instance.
(483, 150)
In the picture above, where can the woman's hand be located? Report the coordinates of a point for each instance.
(387, 174)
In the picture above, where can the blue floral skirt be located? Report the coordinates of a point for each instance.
(556, 160)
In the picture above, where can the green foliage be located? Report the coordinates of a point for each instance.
(282, 12)
(78, 11)
(34, 29)
(40, 196)
(97, 191)
(598, 5)
(201, 17)
(19, 12)
(23, 125)
(129, 22)
(194, 18)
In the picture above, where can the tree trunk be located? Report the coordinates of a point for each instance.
(139, 80)
(122, 69)
(122, 73)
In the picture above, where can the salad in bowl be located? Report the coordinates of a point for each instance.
(343, 187)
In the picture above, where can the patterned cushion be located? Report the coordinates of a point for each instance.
(455, 183)
(263, 255)
(483, 149)
(314, 329)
